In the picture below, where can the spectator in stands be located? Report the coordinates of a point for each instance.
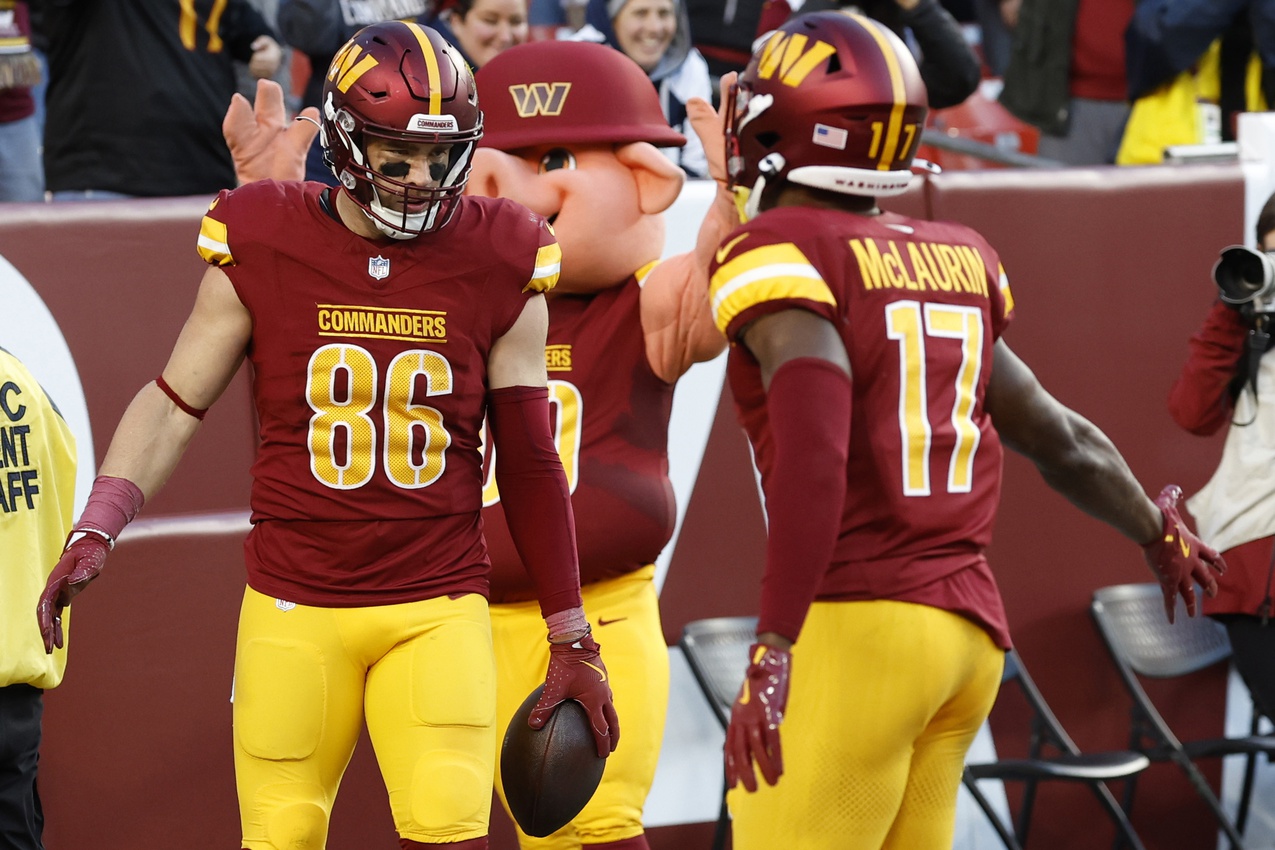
(246, 82)
(482, 28)
(21, 174)
(656, 34)
(1229, 380)
(1193, 66)
(550, 19)
(137, 91)
(949, 67)
(996, 19)
(723, 31)
(1066, 76)
(35, 518)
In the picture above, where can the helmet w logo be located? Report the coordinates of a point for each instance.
(346, 67)
(788, 56)
(540, 99)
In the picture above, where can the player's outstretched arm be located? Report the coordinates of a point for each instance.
(1080, 462)
(149, 441)
(537, 503)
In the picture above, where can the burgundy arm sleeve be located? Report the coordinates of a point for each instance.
(1199, 401)
(534, 493)
(808, 405)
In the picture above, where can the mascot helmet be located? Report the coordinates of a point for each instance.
(570, 92)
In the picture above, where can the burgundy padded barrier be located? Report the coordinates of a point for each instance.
(120, 278)
(1109, 268)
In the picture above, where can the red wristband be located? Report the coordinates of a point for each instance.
(534, 494)
(808, 405)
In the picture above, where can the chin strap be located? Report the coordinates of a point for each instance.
(380, 216)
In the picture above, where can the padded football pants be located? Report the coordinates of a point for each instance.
(885, 698)
(422, 676)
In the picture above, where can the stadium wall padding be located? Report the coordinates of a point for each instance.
(1109, 270)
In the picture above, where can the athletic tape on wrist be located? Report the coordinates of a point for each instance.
(112, 504)
(566, 622)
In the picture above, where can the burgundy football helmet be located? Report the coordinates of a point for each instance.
(831, 100)
(400, 81)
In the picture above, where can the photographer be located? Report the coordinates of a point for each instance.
(1229, 380)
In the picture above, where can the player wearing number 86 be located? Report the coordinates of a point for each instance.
(869, 372)
(383, 319)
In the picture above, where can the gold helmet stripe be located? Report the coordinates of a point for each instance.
(431, 68)
(897, 88)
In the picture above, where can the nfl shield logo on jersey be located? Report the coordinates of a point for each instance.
(378, 267)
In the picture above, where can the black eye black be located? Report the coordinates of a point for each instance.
(557, 158)
(396, 169)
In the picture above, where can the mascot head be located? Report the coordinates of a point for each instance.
(571, 132)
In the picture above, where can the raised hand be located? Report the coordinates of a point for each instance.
(710, 126)
(263, 143)
(1179, 558)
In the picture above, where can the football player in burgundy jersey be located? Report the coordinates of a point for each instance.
(384, 320)
(868, 369)
(572, 130)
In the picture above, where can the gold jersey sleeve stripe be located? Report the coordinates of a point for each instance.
(769, 273)
(641, 273)
(212, 244)
(548, 265)
(1003, 283)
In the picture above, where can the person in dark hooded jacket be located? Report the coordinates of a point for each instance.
(948, 65)
(656, 34)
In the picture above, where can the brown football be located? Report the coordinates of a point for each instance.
(548, 774)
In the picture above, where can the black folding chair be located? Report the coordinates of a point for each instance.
(716, 650)
(1142, 643)
(1052, 756)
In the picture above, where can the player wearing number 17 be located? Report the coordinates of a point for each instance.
(383, 320)
(868, 370)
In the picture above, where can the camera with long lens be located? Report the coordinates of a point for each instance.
(1246, 278)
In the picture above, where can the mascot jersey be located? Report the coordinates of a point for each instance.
(369, 377)
(611, 426)
(919, 306)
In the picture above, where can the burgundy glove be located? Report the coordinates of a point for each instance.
(753, 735)
(1179, 558)
(82, 559)
(576, 672)
(112, 504)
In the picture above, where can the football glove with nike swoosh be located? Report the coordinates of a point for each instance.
(753, 735)
(576, 672)
(1179, 558)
